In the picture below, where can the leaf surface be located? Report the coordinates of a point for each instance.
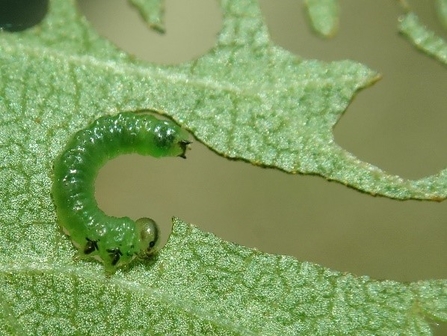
(423, 38)
(246, 99)
(152, 12)
(201, 285)
(324, 16)
(441, 6)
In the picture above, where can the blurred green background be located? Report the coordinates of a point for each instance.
(399, 125)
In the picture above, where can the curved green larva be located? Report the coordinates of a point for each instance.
(114, 241)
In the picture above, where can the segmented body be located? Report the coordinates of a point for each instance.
(114, 241)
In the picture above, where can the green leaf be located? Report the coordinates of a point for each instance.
(441, 6)
(201, 285)
(423, 38)
(324, 16)
(246, 99)
(152, 12)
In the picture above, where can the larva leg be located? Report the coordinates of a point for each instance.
(115, 254)
(91, 246)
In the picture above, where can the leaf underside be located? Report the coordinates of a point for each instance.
(423, 38)
(246, 99)
(201, 285)
(324, 16)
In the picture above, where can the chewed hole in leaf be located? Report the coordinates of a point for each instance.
(191, 28)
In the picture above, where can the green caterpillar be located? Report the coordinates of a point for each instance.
(114, 241)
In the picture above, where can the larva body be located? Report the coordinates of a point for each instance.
(114, 241)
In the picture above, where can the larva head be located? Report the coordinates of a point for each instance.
(148, 236)
(171, 139)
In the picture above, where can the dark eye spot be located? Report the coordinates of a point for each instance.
(152, 244)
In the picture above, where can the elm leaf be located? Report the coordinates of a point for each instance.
(201, 285)
(324, 16)
(152, 12)
(441, 6)
(423, 38)
(246, 99)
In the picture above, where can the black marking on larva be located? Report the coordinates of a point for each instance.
(115, 254)
(184, 146)
(91, 246)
